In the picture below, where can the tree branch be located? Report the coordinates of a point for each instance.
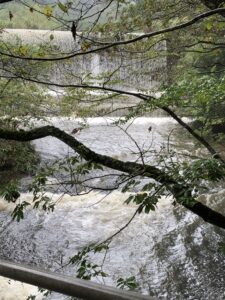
(138, 95)
(194, 134)
(176, 189)
(213, 4)
(85, 152)
(126, 42)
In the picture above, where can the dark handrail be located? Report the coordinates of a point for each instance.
(64, 284)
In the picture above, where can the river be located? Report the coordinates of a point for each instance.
(172, 252)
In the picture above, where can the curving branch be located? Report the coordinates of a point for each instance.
(124, 42)
(85, 152)
(193, 133)
(212, 4)
(138, 95)
(178, 190)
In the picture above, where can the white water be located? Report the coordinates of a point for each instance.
(102, 135)
(172, 253)
(11, 290)
(76, 222)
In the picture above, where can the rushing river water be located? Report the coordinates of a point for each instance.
(172, 252)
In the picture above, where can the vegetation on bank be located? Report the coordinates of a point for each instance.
(17, 159)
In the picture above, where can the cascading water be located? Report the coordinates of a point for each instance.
(127, 71)
(172, 253)
(116, 69)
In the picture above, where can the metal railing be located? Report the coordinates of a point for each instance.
(64, 284)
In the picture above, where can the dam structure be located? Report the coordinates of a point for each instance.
(120, 68)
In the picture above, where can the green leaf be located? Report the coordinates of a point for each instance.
(221, 247)
(129, 283)
(23, 50)
(11, 193)
(209, 25)
(18, 211)
(101, 247)
(31, 297)
(48, 11)
(63, 7)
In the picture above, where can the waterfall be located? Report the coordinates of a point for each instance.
(126, 70)
(123, 71)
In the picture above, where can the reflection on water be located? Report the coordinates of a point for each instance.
(172, 253)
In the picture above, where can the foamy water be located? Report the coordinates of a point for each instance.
(76, 222)
(104, 136)
(172, 253)
(12, 290)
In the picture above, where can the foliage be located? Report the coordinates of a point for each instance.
(201, 97)
(221, 247)
(145, 201)
(130, 283)
(18, 158)
(15, 158)
(208, 169)
(19, 113)
(44, 292)
(40, 198)
(11, 193)
(85, 268)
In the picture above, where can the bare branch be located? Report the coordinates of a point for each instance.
(194, 134)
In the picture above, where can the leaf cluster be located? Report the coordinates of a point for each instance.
(85, 268)
(145, 201)
(129, 283)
